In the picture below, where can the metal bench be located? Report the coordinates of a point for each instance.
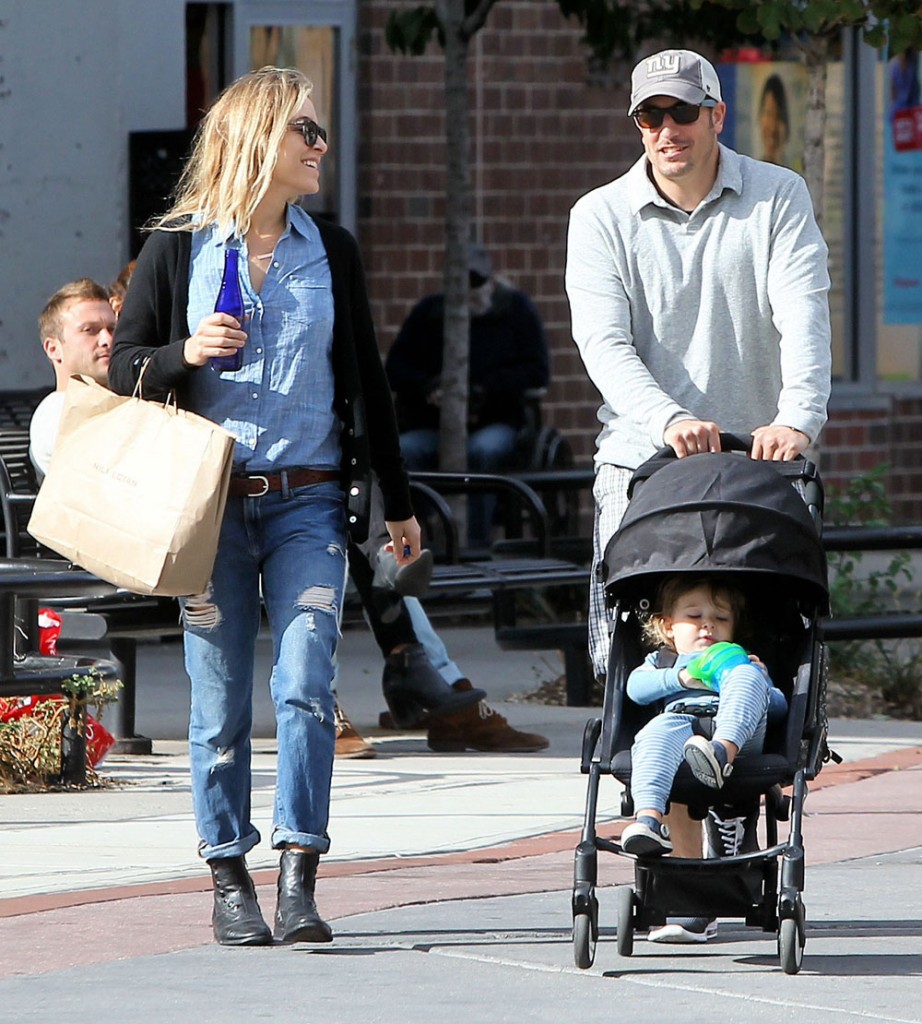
(27, 672)
(92, 615)
(531, 564)
(526, 564)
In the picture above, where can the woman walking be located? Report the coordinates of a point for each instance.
(312, 414)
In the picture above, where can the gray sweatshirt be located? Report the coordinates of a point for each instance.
(721, 314)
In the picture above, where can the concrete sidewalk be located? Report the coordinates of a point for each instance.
(447, 884)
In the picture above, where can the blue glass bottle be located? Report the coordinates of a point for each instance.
(230, 301)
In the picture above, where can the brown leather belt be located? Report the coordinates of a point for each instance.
(258, 484)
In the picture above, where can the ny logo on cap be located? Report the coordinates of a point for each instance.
(668, 64)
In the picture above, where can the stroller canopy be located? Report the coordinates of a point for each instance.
(717, 512)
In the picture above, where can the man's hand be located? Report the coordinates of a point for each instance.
(689, 437)
(778, 444)
(406, 538)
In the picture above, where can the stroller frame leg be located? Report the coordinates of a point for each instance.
(791, 912)
(585, 905)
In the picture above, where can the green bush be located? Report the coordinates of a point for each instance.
(883, 676)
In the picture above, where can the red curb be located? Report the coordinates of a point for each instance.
(855, 771)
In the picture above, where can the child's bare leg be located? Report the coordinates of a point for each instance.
(684, 831)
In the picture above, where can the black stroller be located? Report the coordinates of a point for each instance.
(716, 514)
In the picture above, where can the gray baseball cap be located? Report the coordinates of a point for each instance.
(684, 74)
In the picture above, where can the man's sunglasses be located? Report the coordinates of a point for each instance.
(310, 130)
(681, 113)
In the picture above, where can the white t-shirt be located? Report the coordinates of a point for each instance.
(43, 430)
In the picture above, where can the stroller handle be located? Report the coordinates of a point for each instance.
(728, 443)
(799, 468)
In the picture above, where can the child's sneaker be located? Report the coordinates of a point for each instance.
(684, 930)
(708, 761)
(646, 837)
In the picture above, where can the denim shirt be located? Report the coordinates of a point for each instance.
(279, 405)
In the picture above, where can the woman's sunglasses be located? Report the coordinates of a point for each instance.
(681, 113)
(310, 130)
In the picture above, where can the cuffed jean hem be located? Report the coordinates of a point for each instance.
(282, 837)
(236, 848)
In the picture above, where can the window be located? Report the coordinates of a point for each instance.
(318, 38)
(312, 50)
(207, 39)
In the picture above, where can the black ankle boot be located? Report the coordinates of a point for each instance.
(296, 917)
(236, 919)
(415, 691)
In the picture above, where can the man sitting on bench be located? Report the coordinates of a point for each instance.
(76, 327)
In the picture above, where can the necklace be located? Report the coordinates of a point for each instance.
(264, 256)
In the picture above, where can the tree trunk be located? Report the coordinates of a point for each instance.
(816, 49)
(456, 354)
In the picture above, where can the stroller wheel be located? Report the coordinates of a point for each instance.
(624, 910)
(586, 932)
(791, 941)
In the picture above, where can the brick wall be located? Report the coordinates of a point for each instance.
(857, 440)
(543, 134)
(542, 137)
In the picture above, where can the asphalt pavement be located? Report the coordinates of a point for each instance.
(447, 885)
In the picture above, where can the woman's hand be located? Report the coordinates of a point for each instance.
(217, 334)
(406, 540)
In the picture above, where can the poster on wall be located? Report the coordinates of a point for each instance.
(768, 100)
(903, 191)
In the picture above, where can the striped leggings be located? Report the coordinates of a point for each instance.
(658, 747)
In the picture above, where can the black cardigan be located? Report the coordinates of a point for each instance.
(153, 325)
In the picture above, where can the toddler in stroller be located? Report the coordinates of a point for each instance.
(710, 680)
(735, 532)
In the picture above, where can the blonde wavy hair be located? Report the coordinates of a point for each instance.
(235, 151)
(675, 587)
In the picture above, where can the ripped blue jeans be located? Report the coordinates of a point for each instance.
(292, 545)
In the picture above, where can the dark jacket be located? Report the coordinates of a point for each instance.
(153, 324)
(508, 356)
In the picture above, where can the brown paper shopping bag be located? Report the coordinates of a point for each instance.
(135, 491)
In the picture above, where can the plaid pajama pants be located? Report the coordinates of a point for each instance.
(610, 494)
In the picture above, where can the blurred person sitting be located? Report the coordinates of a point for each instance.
(508, 357)
(422, 686)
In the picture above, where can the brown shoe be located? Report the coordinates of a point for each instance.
(480, 728)
(348, 741)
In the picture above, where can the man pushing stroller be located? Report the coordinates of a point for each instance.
(698, 290)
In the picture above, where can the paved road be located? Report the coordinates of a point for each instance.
(448, 887)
